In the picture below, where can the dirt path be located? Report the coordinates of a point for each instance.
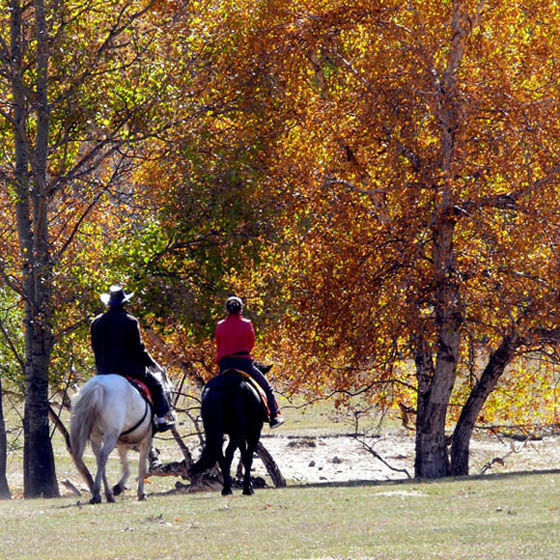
(341, 458)
(331, 458)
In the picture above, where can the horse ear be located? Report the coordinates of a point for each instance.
(264, 369)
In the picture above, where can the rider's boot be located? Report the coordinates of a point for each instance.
(164, 423)
(276, 420)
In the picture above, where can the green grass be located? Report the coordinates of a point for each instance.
(507, 517)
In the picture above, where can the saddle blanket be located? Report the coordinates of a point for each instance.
(142, 388)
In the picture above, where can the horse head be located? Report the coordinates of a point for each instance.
(164, 379)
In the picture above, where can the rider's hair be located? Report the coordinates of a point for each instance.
(234, 305)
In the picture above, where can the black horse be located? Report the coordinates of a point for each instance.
(232, 406)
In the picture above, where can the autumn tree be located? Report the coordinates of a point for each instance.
(420, 162)
(205, 217)
(81, 83)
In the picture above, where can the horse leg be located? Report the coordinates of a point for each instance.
(145, 446)
(121, 485)
(225, 465)
(102, 454)
(239, 471)
(96, 488)
(247, 450)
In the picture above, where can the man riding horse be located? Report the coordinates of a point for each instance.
(118, 348)
(235, 339)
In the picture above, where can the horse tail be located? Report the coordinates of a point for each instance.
(209, 454)
(85, 406)
(213, 430)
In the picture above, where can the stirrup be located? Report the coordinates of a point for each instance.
(163, 426)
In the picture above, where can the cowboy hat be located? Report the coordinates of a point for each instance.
(115, 297)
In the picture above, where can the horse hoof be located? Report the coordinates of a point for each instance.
(111, 499)
(142, 497)
(248, 491)
(227, 492)
(117, 490)
(95, 500)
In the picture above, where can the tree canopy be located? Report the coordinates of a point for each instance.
(416, 157)
(378, 181)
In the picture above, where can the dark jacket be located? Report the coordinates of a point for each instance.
(117, 344)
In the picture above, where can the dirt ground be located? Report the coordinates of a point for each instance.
(344, 458)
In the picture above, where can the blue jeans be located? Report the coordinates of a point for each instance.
(248, 366)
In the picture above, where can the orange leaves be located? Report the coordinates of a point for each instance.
(361, 154)
(326, 137)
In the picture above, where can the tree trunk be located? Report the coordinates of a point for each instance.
(432, 459)
(4, 488)
(32, 223)
(490, 376)
(39, 476)
(39, 468)
(271, 467)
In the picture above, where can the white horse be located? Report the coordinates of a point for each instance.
(109, 412)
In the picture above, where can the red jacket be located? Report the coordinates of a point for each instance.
(234, 335)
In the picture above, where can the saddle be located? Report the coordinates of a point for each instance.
(259, 390)
(142, 388)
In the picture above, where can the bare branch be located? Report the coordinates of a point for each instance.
(370, 449)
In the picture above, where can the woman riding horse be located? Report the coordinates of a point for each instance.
(235, 339)
(231, 404)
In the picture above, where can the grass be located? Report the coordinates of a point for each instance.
(506, 517)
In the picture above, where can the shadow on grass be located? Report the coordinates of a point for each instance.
(184, 489)
(407, 481)
(392, 482)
